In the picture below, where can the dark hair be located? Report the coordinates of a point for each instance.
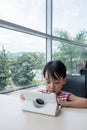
(86, 65)
(55, 69)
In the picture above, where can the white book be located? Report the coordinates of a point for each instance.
(38, 102)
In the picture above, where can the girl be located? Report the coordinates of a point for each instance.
(55, 77)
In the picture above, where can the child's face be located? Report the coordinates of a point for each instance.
(54, 85)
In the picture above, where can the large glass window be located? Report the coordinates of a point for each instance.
(30, 31)
(73, 56)
(22, 57)
(69, 27)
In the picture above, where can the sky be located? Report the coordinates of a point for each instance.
(19, 42)
(69, 15)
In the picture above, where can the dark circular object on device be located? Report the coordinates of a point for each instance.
(40, 101)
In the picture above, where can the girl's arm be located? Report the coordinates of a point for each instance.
(74, 101)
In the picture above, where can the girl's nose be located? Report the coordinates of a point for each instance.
(51, 85)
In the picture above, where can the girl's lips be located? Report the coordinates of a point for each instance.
(52, 91)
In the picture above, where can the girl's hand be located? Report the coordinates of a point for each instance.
(63, 103)
(22, 96)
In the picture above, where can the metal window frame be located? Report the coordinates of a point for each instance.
(48, 35)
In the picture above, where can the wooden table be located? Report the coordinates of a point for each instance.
(13, 118)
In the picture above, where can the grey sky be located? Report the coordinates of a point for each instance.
(69, 15)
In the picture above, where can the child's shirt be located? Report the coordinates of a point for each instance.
(63, 95)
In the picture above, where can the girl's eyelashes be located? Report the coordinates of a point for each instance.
(56, 82)
(47, 82)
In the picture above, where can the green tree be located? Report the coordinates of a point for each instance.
(70, 54)
(4, 68)
(21, 69)
(38, 60)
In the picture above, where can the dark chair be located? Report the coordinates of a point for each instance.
(77, 85)
(83, 71)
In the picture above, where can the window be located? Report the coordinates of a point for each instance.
(69, 16)
(70, 30)
(73, 56)
(32, 33)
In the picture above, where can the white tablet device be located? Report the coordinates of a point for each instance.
(38, 102)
